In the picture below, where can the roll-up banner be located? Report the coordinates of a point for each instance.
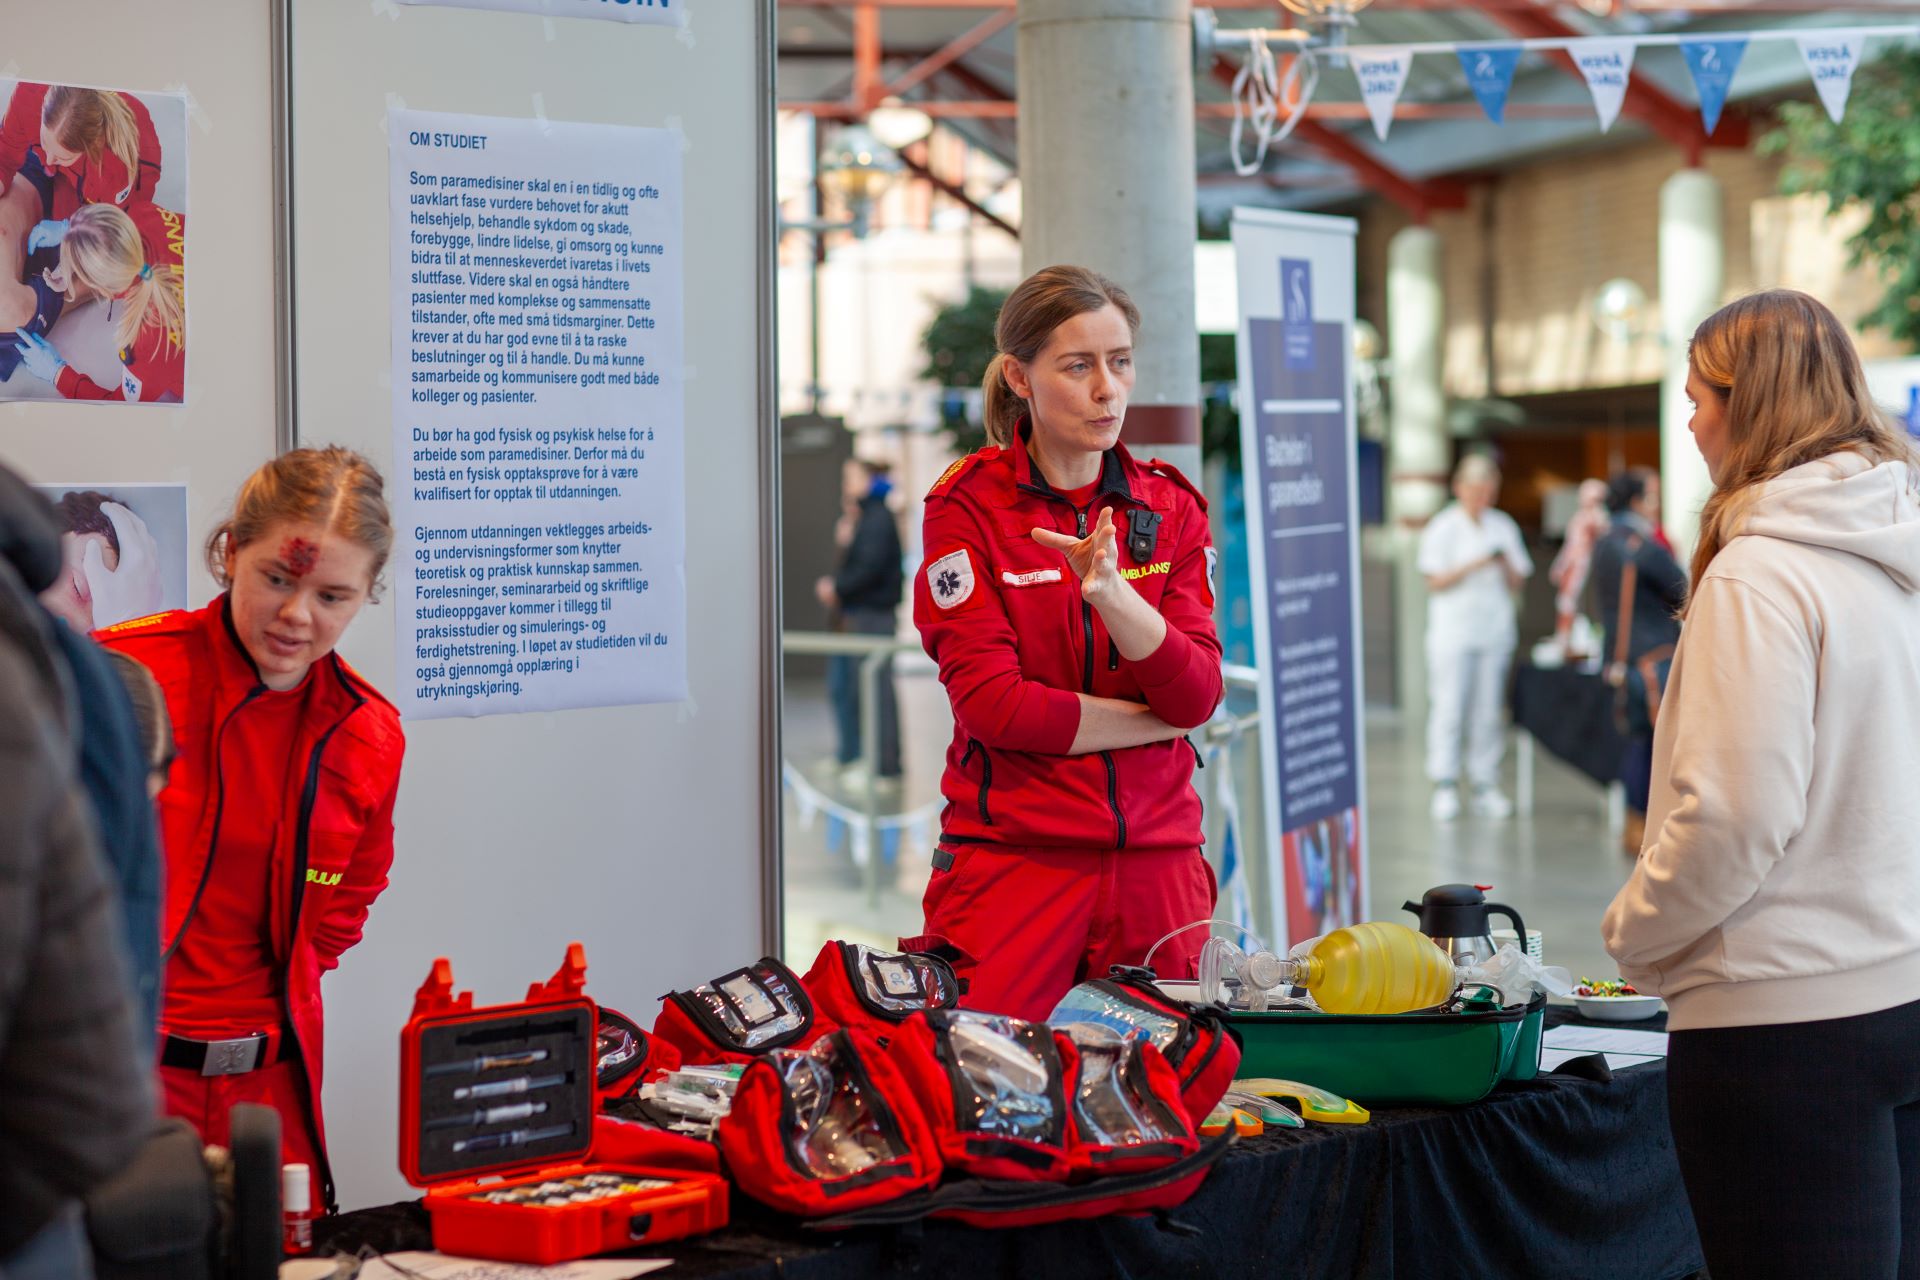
(1298, 441)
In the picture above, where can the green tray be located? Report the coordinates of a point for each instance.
(1421, 1058)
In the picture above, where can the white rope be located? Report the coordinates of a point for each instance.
(1258, 91)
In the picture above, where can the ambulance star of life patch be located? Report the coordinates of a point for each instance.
(950, 579)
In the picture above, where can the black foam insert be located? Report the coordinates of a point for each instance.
(565, 1035)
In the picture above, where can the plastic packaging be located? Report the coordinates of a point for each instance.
(1112, 1109)
(1377, 967)
(836, 1131)
(1011, 1085)
(1090, 1005)
(1517, 975)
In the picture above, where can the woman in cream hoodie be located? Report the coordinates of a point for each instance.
(1776, 903)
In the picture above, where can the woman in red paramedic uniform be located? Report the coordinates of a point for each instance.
(75, 146)
(136, 260)
(1066, 597)
(277, 818)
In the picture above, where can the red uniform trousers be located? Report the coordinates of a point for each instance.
(1034, 922)
(204, 1101)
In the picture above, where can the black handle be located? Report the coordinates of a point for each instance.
(1410, 906)
(1513, 917)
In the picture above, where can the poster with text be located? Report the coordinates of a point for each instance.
(93, 244)
(538, 415)
(666, 13)
(1298, 442)
(124, 552)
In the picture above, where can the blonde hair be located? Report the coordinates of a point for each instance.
(94, 122)
(105, 255)
(1042, 303)
(1792, 390)
(333, 487)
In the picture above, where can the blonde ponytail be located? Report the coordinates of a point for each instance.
(105, 255)
(122, 134)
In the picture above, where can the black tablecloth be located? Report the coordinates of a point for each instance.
(1570, 712)
(1562, 1176)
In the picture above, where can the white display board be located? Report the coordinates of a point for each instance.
(169, 52)
(642, 831)
(1298, 442)
(539, 415)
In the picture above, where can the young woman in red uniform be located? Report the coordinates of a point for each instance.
(277, 818)
(74, 146)
(1066, 596)
(136, 260)
(61, 149)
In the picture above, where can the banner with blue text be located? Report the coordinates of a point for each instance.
(1298, 441)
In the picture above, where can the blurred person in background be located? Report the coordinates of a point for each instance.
(1638, 591)
(1474, 560)
(864, 595)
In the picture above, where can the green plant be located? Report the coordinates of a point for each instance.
(1870, 160)
(959, 346)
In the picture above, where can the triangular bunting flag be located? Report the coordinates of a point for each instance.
(1382, 74)
(1830, 61)
(1606, 64)
(1713, 63)
(1489, 71)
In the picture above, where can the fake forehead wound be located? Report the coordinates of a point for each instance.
(299, 556)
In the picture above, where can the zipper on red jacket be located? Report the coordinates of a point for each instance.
(1086, 687)
(986, 774)
(219, 810)
(308, 794)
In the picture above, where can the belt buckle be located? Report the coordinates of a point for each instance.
(233, 1057)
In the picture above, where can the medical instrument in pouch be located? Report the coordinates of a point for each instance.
(489, 1115)
(512, 1138)
(502, 1088)
(487, 1062)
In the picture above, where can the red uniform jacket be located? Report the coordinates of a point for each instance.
(86, 182)
(156, 364)
(335, 838)
(1016, 644)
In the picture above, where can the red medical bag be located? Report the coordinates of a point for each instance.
(853, 985)
(740, 1015)
(1194, 1039)
(830, 1129)
(993, 1089)
(497, 1122)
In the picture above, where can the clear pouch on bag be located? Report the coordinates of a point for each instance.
(898, 983)
(1005, 1076)
(1112, 1103)
(752, 1008)
(836, 1130)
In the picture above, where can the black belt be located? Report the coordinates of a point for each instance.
(225, 1057)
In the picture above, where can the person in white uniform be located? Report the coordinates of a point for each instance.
(1473, 559)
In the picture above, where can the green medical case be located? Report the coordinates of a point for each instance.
(1428, 1058)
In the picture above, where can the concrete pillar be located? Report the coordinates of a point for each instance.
(1419, 452)
(1107, 182)
(1692, 276)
